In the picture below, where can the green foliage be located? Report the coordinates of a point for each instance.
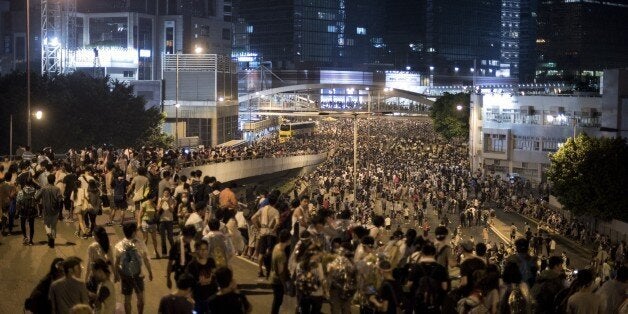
(78, 111)
(590, 177)
(448, 120)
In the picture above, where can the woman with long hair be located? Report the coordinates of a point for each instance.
(38, 302)
(100, 248)
(148, 219)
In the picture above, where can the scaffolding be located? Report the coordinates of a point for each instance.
(58, 35)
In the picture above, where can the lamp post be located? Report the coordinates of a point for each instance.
(355, 157)
(28, 72)
(176, 124)
(11, 136)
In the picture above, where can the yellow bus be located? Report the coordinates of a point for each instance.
(295, 129)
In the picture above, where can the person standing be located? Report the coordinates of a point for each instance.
(167, 208)
(130, 255)
(27, 207)
(52, 202)
(228, 299)
(147, 218)
(69, 290)
(584, 301)
(202, 270)
(38, 302)
(279, 275)
(180, 301)
(99, 249)
(105, 296)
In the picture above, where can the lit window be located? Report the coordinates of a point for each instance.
(249, 29)
(331, 28)
(360, 31)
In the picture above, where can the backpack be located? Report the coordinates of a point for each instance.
(306, 281)
(119, 190)
(217, 250)
(516, 301)
(343, 277)
(439, 252)
(130, 261)
(429, 295)
(95, 203)
(393, 253)
(28, 204)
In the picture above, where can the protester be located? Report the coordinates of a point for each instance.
(69, 290)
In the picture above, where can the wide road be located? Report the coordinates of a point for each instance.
(21, 267)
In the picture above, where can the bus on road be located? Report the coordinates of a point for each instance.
(295, 129)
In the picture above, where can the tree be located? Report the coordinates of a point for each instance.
(451, 115)
(79, 111)
(590, 177)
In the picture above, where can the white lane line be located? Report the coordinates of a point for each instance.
(248, 261)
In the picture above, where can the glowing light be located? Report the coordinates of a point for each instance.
(177, 105)
(456, 69)
(431, 68)
(408, 68)
(472, 70)
(39, 115)
(198, 50)
(54, 41)
(459, 107)
(550, 118)
(221, 99)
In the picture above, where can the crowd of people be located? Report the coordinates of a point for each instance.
(394, 235)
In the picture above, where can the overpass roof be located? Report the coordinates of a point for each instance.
(390, 92)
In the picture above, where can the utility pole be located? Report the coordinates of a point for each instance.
(28, 72)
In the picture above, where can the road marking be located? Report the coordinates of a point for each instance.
(247, 260)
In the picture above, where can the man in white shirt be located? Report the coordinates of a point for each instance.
(267, 218)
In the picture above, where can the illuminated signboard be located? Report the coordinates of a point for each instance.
(404, 80)
(107, 57)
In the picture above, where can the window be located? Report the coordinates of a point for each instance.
(226, 34)
(331, 28)
(495, 143)
(249, 29)
(526, 142)
(129, 73)
(360, 31)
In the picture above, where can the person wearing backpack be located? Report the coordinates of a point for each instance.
(310, 282)
(342, 275)
(516, 298)
(389, 295)
(27, 208)
(130, 256)
(427, 284)
(94, 206)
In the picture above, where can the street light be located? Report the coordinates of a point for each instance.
(198, 50)
(38, 115)
(459, 107)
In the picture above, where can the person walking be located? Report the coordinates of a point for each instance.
(279, 275)
(52, 202)
(99, 249)
(27, 207)
(166, 207)
(130, 255)
(69, 290)
(147, 218)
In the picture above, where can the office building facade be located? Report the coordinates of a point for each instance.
(512, 133)
(580, 38)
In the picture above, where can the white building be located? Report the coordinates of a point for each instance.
(514, 133)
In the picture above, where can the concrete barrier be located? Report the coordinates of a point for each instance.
(241, 169)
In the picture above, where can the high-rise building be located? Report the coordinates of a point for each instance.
(306, 35)
(455, 41)
(578, 38)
